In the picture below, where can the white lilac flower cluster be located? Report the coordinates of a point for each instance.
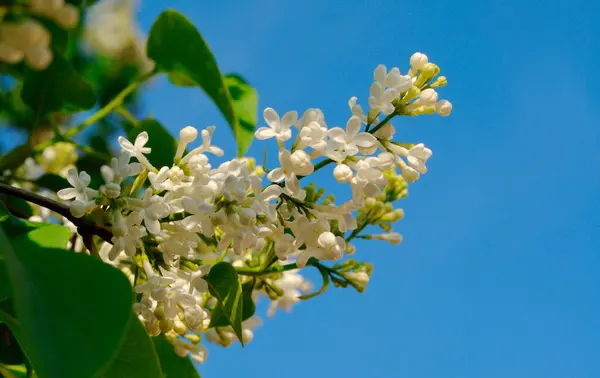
(192, 214)
(111, 30)
(26, 39)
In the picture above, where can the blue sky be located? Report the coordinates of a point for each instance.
(499, 271)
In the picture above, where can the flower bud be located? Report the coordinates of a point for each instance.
(418, 60)
(301, 161)
(165, 324)
(38, 57)
(10, 54)
(421, 110)
(361, 278)
(78, 208)
(392, 237)
(443, 108)
(67, 17)
(428, 96)
(186, 135)
(439, 82)
(247, 335)
(342, 173)
(410, 95)
(111, 190)
(327, 240)
(409, 174)
(43, 6)
(179, 327)
(153, 328)
(427, 72)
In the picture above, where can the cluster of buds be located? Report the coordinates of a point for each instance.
(26, 39)
(172, 224)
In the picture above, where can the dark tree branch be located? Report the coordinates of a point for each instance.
(84, 225)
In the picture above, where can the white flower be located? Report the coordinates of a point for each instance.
(127, 236)
(137, 148)
(263, 198)
(278, 128)
(292, 165)
(443, 108)
(342, 173)
(313, 135)
(356, 109)
(292, 284)
(153, 208)
(200, 218)
(172, 299)
(346, 142)
(400, 83)
(343, 215)
(120, 168)
(418, 60)
(380, 99)
(418, 156)
(80, 190)
(312, 115)
(328, 247)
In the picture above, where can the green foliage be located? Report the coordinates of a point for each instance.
(172, 364)
(137, 357)
(245, 104)
(58, 88)
(218, 318)
(71, 291)
(224, 285)
(179, 50)
(161, 142)
(17, 206)
(52, 182)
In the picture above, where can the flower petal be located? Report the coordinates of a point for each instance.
(289, 119)
(72, 177)
(271, 117)
(276, 175)
(264, 133)
(364, 140)
(353, 126)
(67, 194)
(141, 139)
(126, 144)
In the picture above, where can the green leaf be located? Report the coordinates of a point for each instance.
(13, 371)
(57, 88)
(69, 307)
(178, 49)
(218, 318)
(173, 365)
(161, 142)
(245, 104)
(50, 236)
(17, 206)
(137, 357)
(224, 285)
(52, 182)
